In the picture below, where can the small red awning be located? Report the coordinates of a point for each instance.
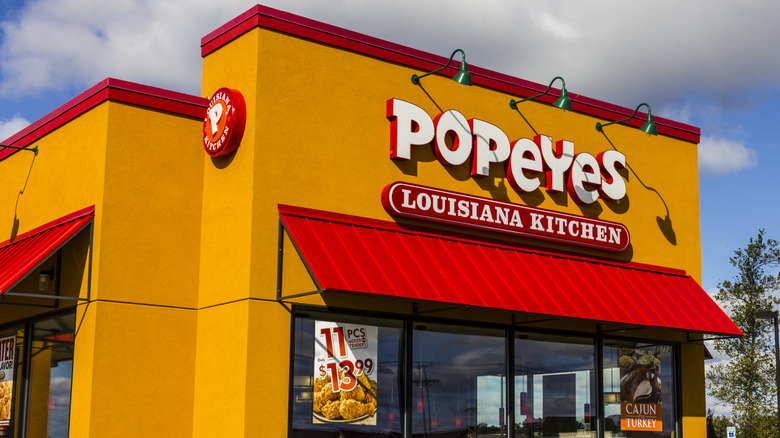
(352, 254)
(28, 250)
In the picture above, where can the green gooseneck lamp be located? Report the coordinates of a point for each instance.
(649, 127)
(563, 101)
(463, 76)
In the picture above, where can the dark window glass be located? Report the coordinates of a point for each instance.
(554, 386)
(458, 381)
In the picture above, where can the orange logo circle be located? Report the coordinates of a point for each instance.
(224, 123)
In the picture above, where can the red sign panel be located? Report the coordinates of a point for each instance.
(426, 203)
(224, 123)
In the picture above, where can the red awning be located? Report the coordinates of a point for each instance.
(28, 250)
(347, 253)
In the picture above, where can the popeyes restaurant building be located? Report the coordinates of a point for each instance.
(321, 246)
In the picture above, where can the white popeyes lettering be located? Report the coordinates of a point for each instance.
(557, 162)
(613, 187)
(411, 125)
(491, 145)
(584, 178)
(525, 157)
(447, 123)
(589, 177)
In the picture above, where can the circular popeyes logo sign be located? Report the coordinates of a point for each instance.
(224, 123)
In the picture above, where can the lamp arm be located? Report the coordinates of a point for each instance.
(600, 125)
(416, 79)
(20, 148)
(513, 103)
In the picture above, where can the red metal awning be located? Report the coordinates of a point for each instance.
(352, 254)
(28, 250)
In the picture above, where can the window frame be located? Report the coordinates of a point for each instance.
(407, 322)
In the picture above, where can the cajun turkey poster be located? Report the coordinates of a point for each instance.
(345, 361)
(640, 390)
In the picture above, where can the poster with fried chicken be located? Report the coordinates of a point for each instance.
(640, 390)
(345, 361)
(7, 349)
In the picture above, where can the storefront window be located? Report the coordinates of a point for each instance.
(364, 401)
(639, 390)
(456, 384)
(555, 389)
(458, 381)
(52, 371)
(36, 379)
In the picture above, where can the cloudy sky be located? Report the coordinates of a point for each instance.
(715, 65)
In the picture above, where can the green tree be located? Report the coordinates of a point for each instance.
(716, 426)
(746, 381)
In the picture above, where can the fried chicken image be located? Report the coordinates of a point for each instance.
(331, 410)
(356, 394)
(351, 409)
(324, 396)
(344, 405)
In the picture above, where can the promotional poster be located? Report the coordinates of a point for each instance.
(7, 348)
(640, 390)
(345, 362)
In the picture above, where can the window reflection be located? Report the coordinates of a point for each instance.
(50, 385)
(554, 386)
(459, 381)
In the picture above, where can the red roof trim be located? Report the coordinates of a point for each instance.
(262, 16)
(359, 255)
(109, 89)
(28, 250)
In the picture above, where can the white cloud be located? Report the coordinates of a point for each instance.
(720, 156)
(621, 52)
(11, 126)
(56, 44)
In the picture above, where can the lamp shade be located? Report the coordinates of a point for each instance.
(463, 76)
(563, 102)
(649, 126)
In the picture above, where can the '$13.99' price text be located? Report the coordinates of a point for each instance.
(350, 370)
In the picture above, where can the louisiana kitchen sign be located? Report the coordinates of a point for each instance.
(427, 203)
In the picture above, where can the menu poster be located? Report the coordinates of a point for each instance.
(640, 390)
(7, 349)
(345, 364)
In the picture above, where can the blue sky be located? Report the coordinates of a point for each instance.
(715, 65)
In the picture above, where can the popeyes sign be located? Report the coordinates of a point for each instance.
(223, 125)
(456, 140)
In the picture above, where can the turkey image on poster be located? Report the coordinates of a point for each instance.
(345, 361)
(640, 390)
(7, 348)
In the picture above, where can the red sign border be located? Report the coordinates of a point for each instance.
(392, 209)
